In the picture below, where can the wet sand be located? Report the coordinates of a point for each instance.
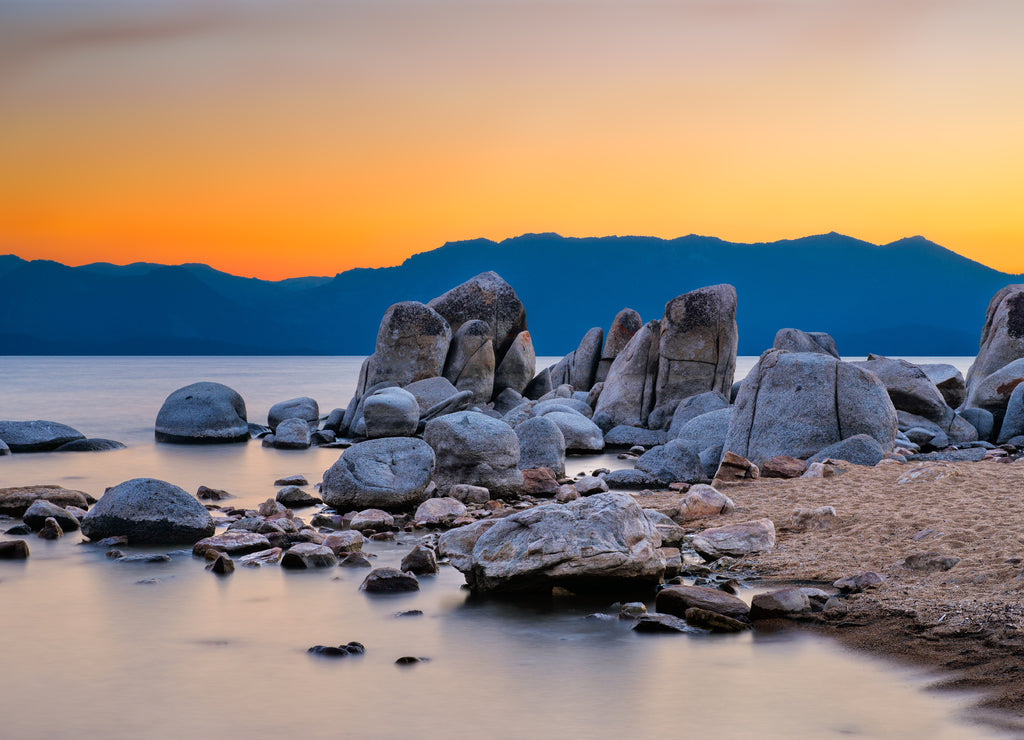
(967, 621)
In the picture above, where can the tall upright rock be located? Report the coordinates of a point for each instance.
(486, 297)
(626, 323)
(1002, 343)
(470, 362)
(628, 395)
(412, 343)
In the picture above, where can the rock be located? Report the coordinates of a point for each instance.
(707, 430)
(476, 449)
(783, 466)
(90, 445)
(355, 560)
(232, 542)
(291, 480)
(713, 621)
(796, 404)
(50, 530)
(930, 562)
(678, 460)
(41, 510)
(626, 437)
(993, 392)
(627, 322)
(391, 474)
(13, 550)
(15, 501)
(204, 493)
(468, 494)
(470, 363)
(202, 413)
(859, 582)
(805, 519)
(518, 366)
(430, 392)
(949, 381)
(148, 511)
(439, 511)
(18, 530)
(734, 468)
(702, 500)
(412, 343)
(222, 565)
(909, 388)
(671, 533)
(372, 520)
(335, 421)
(341, 651)
(660, 623)
(308, 555)
(420, 561)
(1002, 343)
(389, 581)
(859, 449)
(1013, 421)
(5, 450)
(794, 340)
(819, 470)
(295, 498)
(541, 444)
(588, 485)
(344, 542)
(629, 389)
(579, 367)
(487, 298)
(567, 493)
(261, 558)
(304, 408)
(676, 600)
(408, 660)
(507, 400)
(457, 544)
(780, 604)
(983, 421)
(630, 480)
(540, 386)
(563, 405)
(390, 412)
(579, 432)
(735, 540)
(539, 482)
(973, 454)
(697, 347)
(694, 406)
(36, 436)
(601, 541)
(292, 434)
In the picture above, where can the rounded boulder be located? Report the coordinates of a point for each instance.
(149, 511)
(202, 413)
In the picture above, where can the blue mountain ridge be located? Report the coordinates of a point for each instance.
(910, 297)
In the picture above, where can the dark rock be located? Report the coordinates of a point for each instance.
(291, 480)
(50, 530)
(148, 511)
(660, 623)
(308, 555)
(212, 494)
(202, 413)
(304, 408)
(420, 561)
(677, 460)
(355, 560)
(630, 480)
(389, 581)
(292, 434)
(859, 449)
(41, 510)
(37, 436)
(13, 550)
(18, 530)
(340, 651)
(714, 621)
(91, 445)
(541, 444)
(409, 660)
(222, 565)
(676, 600)
(971, 454)
(626, 323)
(1002, 344)
(949, 381)
(295, 498)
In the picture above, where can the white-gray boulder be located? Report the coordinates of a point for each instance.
(541, 445)
(200, 413)
(304, 408)
(148, 511)
(391, 474)
(473, 448)
(390, 412)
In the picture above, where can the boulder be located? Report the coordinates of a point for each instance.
(390, 412)
(735, 540)
(232, 542)
(539, 482)
(41, 510)
(420, 561)
(304, 408)
(981, 420)
(625, 437)
(570, 405)
(701, 501)
(734, 468)
(676, 600)
(626, 323)
(372, 520)
(50, 530)
(295, 498)
(473, 448)
(628, 395)
(344, 542)
(308, 555)
(16, 501)
(92, 444)
(779, 604)
(588, 485)
(630, 480)
(579, 367)
(541, 444)
(993, 392)
(783, 466)
(949, 381)
(796, 404)
(540, 385)
(671, 533)
(694, 406)
(391, 474)
(468, 494)
(5, 450)
(518, 366)
(678, 460)
(604, 541)
(706, 430)
(439, 511)
(38, 436)
(859, 449)
(1002, 343)
(412, 343)
(201, 413)
(910, 388)
(580, 433)
(697, 348)
(457, 544)
(13, 550)
(488, 298)
(148, 511)
(794, 340)
(470, 363)
(292, 434)
(714, 622)
(389, 581)
(430, 392)
(1013, 421)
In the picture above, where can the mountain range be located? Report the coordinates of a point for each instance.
(910, 297)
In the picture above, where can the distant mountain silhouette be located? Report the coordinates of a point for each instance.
(911, 297)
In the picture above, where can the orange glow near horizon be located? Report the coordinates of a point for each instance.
(307, 139)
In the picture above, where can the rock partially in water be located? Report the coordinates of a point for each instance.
(780, 604)
(713, 621)
(149, 511)
(292, 434)
(355, 560)
(391, 474)
(439, 511)
(37, 436)
(292, 480)
(202, 413)
(344, 542)
(271, 556)
(660, 623)
(304, 408)
(51, 530)
(676, 600)
(212, 494)
(92, 444)
(13, 550)
(41, 510)
(222, 565)
(420, 561)
(232, 542)
(308, 555)
(295, 498)
(15, 501)
(339, 651)
(389, 581)
(372, 520)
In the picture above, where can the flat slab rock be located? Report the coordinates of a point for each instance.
(735, 540)
(676, 600)
(15, 501)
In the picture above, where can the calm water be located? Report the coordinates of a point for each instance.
(99, 649)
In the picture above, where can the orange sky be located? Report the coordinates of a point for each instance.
(277, 139)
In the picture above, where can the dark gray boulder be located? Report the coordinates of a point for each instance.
(518, 366)
(412, 343)
(148, 511)
(1002, 342)
(981, 420)
(470, 363)
(488, 298)
(202, 413)
(794, 340)
(473, 448)
(304, 408)
(707, 430)
(1013, 421)
(391, 474)
(859, 449)
(5, 450)
(629, 389)
(389, 581)
(292, 434)
(627, 322)
(675, 461)
(694, 406)
(541, 445)
(949, 381)
(390, 412)
(37, 436)
(630, 480)
(92, 444)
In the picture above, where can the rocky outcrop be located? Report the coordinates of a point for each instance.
(470, 363)
(412, 343)
(202, 413)
(390, 474)
(488, 298)
(794, 340)
(1002, 342)
(628, 395)
(38, 436)
(579, 367)
(627, 322)
(473, 448)
(148, 511)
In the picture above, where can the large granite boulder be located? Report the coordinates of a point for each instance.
(412, 343)
(949, 381)
(707, 430)
(390, 412)
(517, 367)
(627, 322)
(304, 408)
(473, 448)
(798, 403)
(541, 445)
(148, 511)
(993, 392)
(1013, 420)
(694, 406)
(794, 340)
(1002, 341)
(629, 389)
(579, 367)
(697, 348)
(485, 297)
(673, 462)
(579, 432)
(470, 363)
(38, 436)
(430, 392)
(600, 542)
(390, 474)
(910, 388)
(202, 413)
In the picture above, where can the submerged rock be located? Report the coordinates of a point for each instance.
(37, 436)
(389, 581)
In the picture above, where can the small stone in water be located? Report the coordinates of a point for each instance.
(410, 660)
(19, 529)
(341, 651)
(212, 494)
(222, 565)
(14, 550)
(410, 613)
(292, 480)
(355, 560)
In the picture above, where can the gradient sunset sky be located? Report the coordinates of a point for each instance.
(278, 138)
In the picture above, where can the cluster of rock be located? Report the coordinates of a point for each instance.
(48, 436)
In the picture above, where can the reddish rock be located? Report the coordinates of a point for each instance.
(784, 466)
(736, 468)
(675, 600)
(540, 482)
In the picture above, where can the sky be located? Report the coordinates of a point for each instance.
(278, 138)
